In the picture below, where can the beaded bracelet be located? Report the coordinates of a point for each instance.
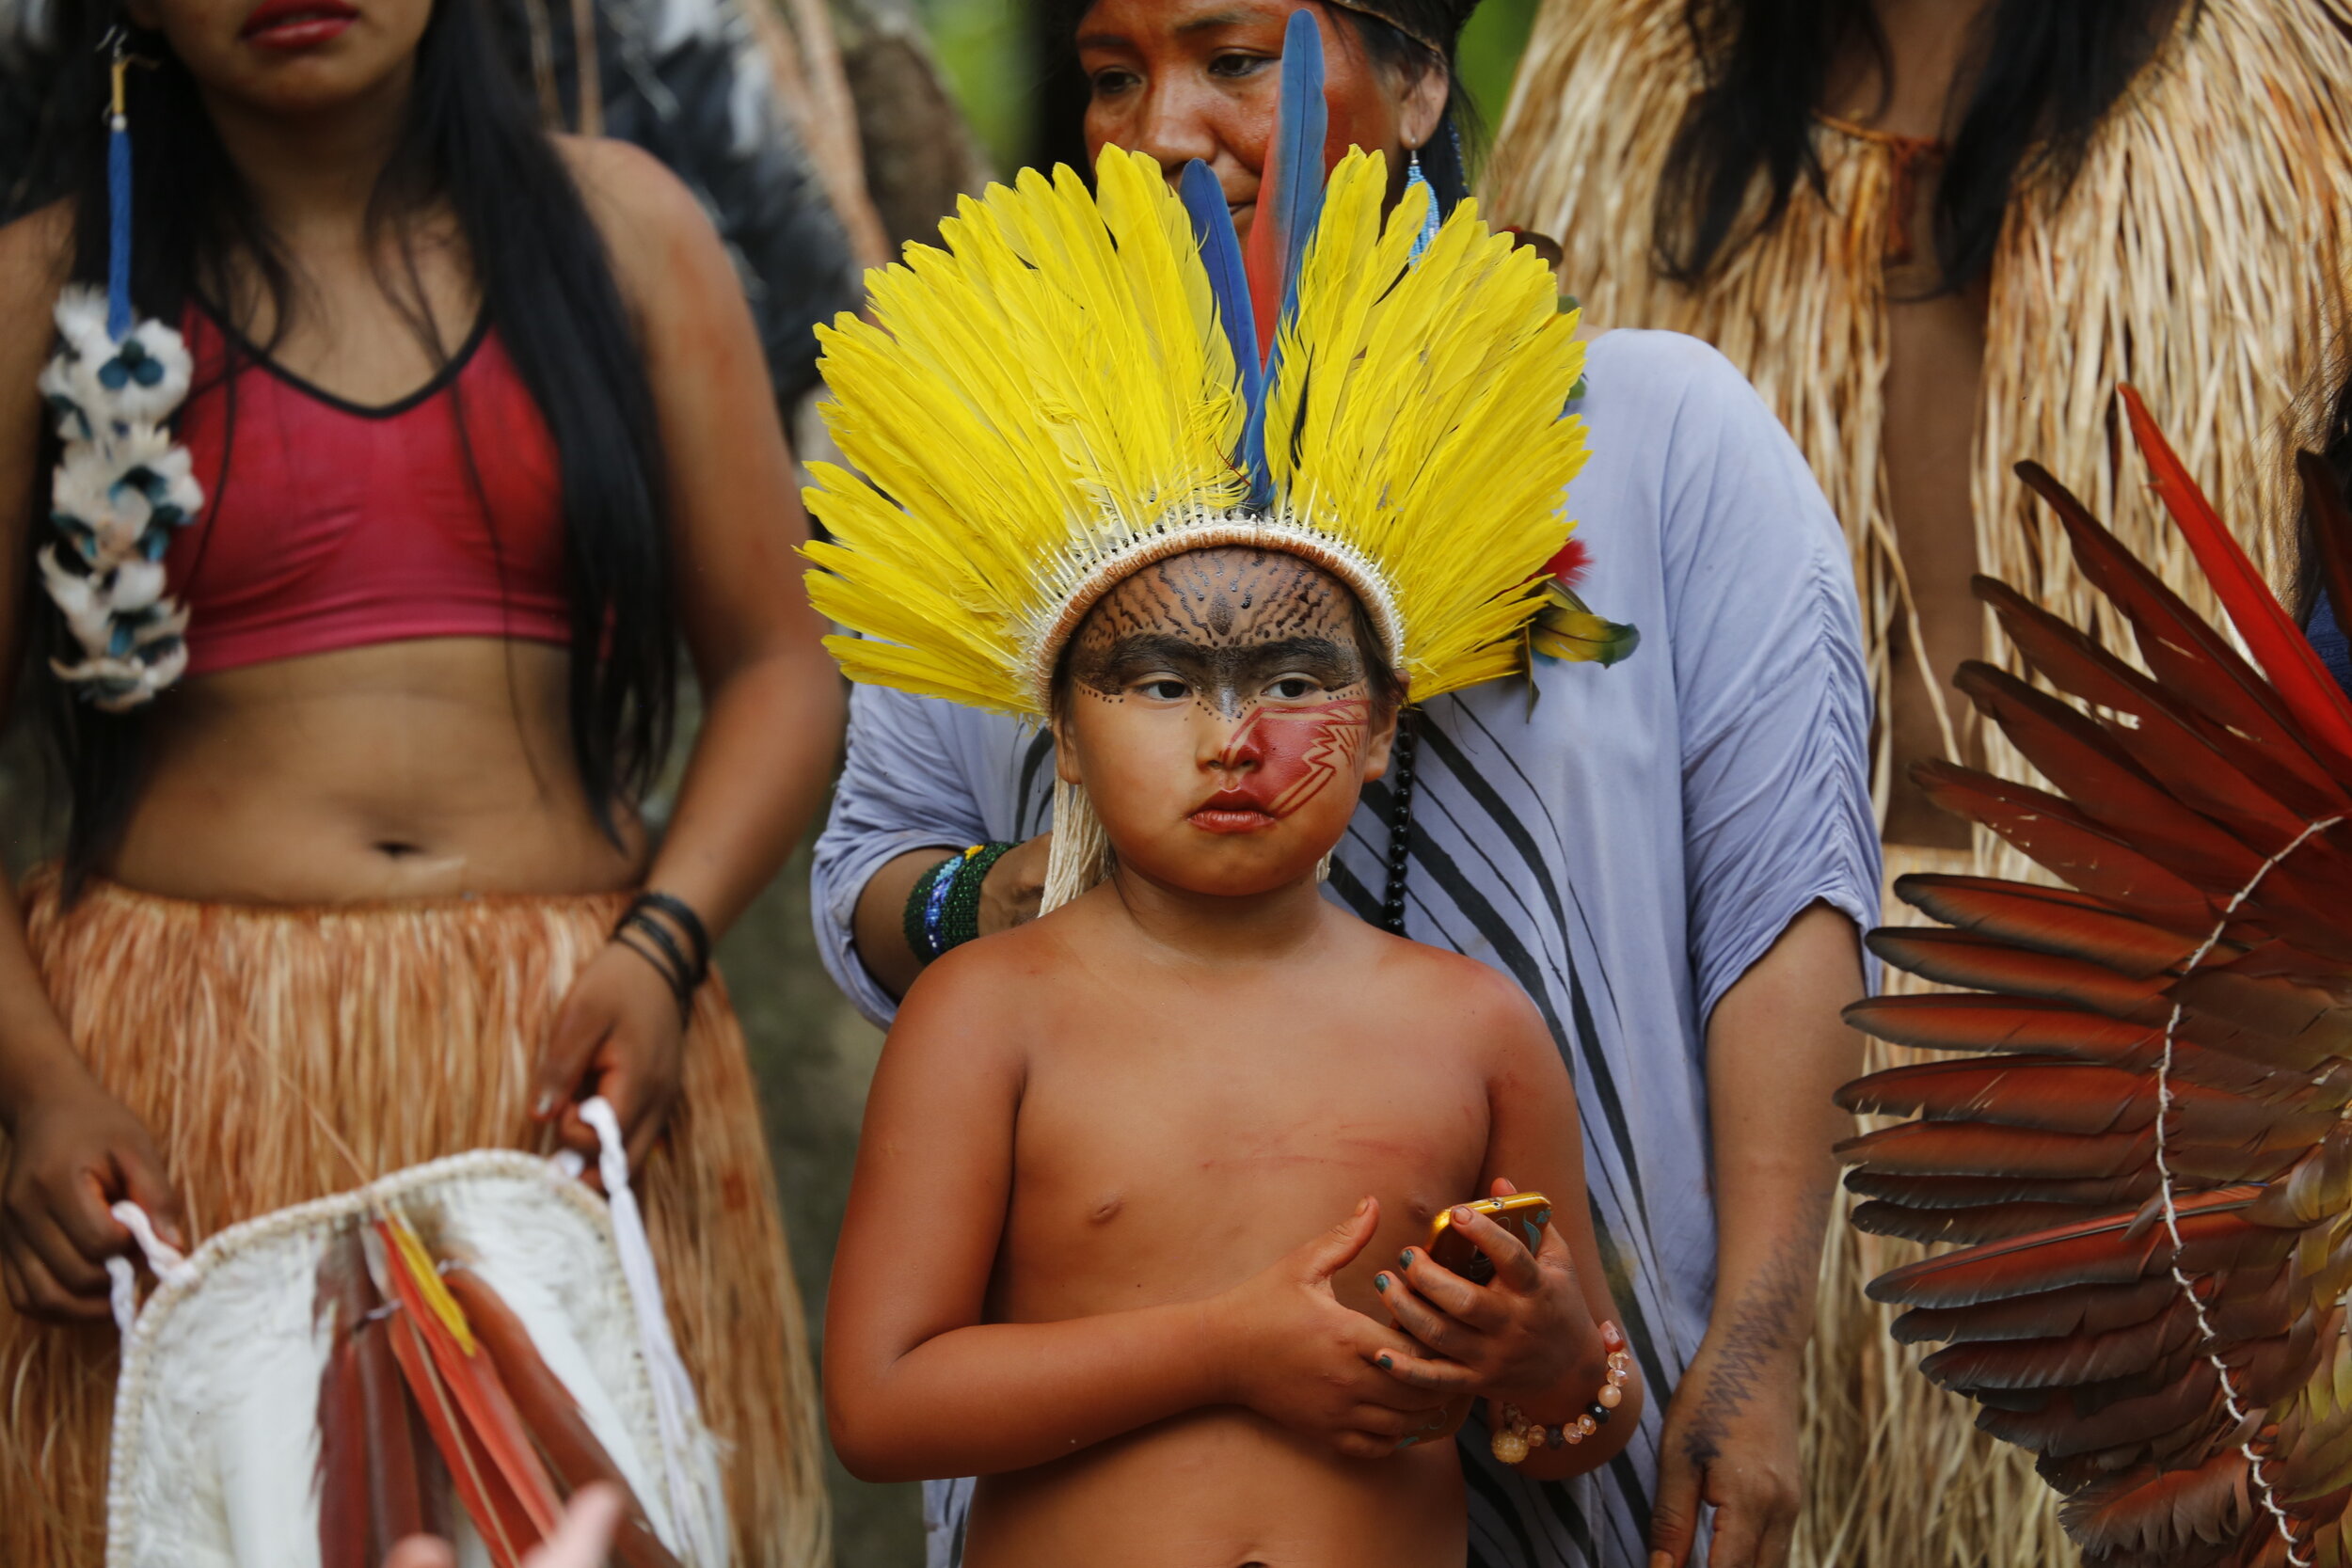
(943, 907)
(1516, 1436)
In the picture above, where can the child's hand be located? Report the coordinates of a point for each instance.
(1298, 1357)
(1526, 1334)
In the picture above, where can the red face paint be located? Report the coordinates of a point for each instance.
(1280, 759)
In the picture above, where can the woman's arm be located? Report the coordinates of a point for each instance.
(1777, 1050)
(919, 1384)
(1782, 864)
(771, 698)
(73, 1147)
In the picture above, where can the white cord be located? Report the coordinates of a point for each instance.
(693, 1499)
(2172, 1217)
(163, 1259)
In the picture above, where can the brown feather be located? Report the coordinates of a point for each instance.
(2185, 1518)
(2204, 764)
(1987, 963)
(2079, 757)
(552, 1414)
(1946, 1225)
(2062, 1096)
(2040, 1314)
(345, 1540)
(2058, 836)
(1964, 1021)
(2047, 920)
(2183, 652)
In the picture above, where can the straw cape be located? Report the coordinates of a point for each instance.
(2223, 179)
(1075, 388)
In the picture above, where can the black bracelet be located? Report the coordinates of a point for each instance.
(682, 915)
(626, 936)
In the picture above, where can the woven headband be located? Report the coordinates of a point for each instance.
(1442, 48)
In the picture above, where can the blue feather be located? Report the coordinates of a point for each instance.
(1228, 282)
(1294, 173)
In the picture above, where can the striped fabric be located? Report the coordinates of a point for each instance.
(1624, 843)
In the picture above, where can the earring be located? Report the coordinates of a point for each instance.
(1413, 176)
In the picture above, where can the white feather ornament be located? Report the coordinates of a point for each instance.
(121, 488)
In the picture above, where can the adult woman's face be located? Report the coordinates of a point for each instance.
(1185, 79)
(290, 58)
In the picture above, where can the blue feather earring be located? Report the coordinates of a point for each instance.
(1413, 176)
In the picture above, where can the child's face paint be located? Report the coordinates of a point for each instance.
(1220, 718)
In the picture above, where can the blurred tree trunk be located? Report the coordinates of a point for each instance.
(919, 154)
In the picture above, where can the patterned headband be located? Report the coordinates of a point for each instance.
(1451, 15)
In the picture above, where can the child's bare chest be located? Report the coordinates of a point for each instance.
(1180, 1151)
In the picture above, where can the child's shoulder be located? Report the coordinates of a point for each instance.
(1472, 998)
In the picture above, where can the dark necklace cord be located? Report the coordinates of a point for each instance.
(1399, 831)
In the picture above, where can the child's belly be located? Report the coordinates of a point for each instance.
(1223, 1488)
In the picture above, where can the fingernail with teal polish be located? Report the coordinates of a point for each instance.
(1404, 1259)
(1386, 1364)
(1379, 1281)
(1406, 1442)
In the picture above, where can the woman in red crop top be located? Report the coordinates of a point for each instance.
(486, 436)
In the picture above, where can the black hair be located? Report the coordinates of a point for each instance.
(471, 146)
(1460, 133)
(2334, 447)
(2045, 73)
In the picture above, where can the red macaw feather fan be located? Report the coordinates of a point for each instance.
(419, 1350)
(471, 1336)
(2140, 1137)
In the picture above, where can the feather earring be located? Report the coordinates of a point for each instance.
(122, 486)
(1417, 180)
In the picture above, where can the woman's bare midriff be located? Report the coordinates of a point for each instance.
(1221, 1489)
(413, 770)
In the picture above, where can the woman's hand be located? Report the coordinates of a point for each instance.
(74, 1150)
(1523, 1336)
(1730, 1442)
(617, 1035)
(1014, 887)
(1298, 1357)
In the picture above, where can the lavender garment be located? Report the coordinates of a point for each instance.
(1623, 841)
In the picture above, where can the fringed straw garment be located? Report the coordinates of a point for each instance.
(2200, 255)
(267, 1049)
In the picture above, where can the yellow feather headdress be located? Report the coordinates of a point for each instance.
(1071, 390)
(1051, 403)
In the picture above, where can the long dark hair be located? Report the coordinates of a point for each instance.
(471, 146)
(2045, 73)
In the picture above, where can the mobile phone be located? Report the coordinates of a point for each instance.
(1529, 1211)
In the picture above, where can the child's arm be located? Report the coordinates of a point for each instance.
(917, 1385)
(1532, 1336)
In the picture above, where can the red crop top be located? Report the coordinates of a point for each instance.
(328, 525)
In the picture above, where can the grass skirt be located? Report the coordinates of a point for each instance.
(267, 1048)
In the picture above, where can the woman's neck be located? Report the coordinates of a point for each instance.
(311, 177)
